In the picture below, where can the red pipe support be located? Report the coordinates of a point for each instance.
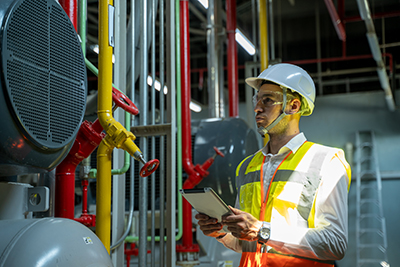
(337, 23)
(232, 59)
(70, 7)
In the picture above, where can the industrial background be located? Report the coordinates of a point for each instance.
(108, 108)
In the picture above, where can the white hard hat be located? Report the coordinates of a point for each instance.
(291, 77)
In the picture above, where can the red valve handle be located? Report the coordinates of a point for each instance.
(122, 101)
(149, 167)
(219, 152)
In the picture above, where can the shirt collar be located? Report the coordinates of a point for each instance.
(293, 145)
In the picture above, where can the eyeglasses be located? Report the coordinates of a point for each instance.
(268, 99)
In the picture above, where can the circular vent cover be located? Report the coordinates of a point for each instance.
(44, 72)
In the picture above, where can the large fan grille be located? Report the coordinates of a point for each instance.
(44, 71)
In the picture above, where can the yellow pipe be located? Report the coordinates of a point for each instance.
(103, 191)
(263, 35)
(117, 136)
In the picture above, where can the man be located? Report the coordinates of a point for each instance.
(291, 207)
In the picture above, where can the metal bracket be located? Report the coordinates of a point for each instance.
(151, 130)
(38, 198)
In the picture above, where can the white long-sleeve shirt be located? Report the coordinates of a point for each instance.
(328, 239)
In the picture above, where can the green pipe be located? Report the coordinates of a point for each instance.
(178, 115)
(131, 239)
(127, 163)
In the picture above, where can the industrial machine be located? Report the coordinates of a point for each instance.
(42, 104)
(43, 86)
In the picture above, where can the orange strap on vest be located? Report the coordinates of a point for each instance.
(251, 259)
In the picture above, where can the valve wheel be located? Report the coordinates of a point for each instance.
(149, 167)
(219, 152)
(122, 101)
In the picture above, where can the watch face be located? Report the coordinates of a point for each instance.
(264, 233)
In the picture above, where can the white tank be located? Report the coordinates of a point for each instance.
(50, 242)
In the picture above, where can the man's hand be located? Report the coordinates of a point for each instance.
(209, 226)
(242, 225)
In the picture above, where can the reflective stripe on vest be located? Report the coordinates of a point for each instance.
(294, 186)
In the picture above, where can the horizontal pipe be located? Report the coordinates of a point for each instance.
(346, 58)
(377, 15)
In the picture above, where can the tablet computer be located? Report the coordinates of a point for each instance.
(206, 201)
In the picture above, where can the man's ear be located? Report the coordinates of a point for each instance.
(294, 106)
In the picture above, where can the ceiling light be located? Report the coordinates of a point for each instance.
(195, 107)
(204, 3)
(244, 42)
(157, 84)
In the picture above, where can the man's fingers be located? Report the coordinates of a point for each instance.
(201, 216)
(234, 210)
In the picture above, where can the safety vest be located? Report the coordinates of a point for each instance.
(298, 173)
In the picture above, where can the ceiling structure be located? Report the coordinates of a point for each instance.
(302, 32)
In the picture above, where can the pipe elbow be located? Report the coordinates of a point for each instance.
(188, 166)
(66, 167)
(105, 118)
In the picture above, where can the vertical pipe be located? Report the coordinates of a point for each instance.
(153, 139)
(70, 7)
(103, 208)
(186, 118)
(65, 179)
(341, 16)
(213, 60)
(232, 59)
(271, 30)
(173, 80)
(318, 38)
(119, 156)
(143, 140)
(254, 28)
(263, 34)
(185, 84)
(103, 200)
(187, 239)
(82, 24)
(177, 119)
(162, 138)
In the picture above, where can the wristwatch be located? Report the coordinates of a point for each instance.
(264, 233)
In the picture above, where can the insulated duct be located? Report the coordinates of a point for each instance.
(376, 52)
(43, 85)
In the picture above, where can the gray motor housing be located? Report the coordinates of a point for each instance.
(42, 85)
(50, 242)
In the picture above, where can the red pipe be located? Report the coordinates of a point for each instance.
(85, 184)
(187, 237)
(341, 16)
(376, 15)
(232, 59)
(88, 138)
(70, 7)
(195, 173)
(334, 59)
(337, 23)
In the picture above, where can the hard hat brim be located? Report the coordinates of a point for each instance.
(254, 82)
